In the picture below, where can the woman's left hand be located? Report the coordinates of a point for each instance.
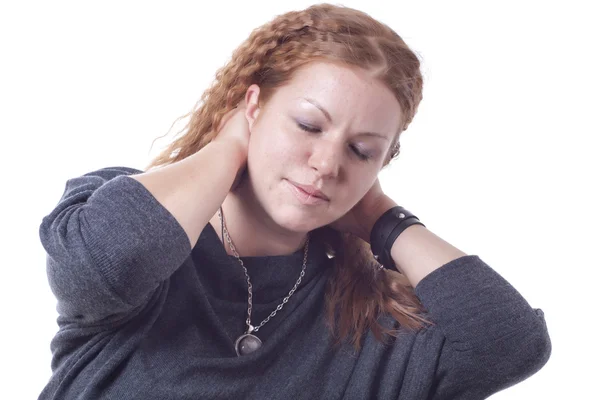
(360, 219)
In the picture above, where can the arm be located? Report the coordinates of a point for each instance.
(193, 189)
(494, 339)
(417, 251)
(111, 240)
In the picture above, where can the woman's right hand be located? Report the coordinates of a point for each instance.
(234, 130)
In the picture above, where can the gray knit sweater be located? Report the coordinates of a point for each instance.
(143, 316)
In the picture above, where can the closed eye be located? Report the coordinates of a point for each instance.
(308, 128)
(355, 149)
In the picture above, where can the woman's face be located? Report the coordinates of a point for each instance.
(338, 149)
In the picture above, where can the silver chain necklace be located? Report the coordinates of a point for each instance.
(247, 342)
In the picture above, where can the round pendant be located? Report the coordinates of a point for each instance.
(246, 344)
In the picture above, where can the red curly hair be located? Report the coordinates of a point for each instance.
(358, 292)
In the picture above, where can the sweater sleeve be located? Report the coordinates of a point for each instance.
(109, 245)
(493, 338)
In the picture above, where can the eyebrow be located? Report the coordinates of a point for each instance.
(328, 116)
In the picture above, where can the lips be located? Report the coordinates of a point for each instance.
(310, 190)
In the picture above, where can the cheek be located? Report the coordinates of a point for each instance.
(274, 153)
(359, 186)
(278, 148)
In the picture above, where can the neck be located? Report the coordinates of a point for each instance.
(252, 231)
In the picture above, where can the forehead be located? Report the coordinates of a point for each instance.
(349, 94)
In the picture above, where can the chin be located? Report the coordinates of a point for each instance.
(296, 220)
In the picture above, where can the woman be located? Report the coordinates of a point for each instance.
(258, 257)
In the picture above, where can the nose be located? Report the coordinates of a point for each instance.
(326, 158)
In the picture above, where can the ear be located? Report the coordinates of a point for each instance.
(252, 108)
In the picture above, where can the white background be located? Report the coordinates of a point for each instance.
(501, 159)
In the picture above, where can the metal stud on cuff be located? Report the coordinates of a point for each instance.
(386, 229)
